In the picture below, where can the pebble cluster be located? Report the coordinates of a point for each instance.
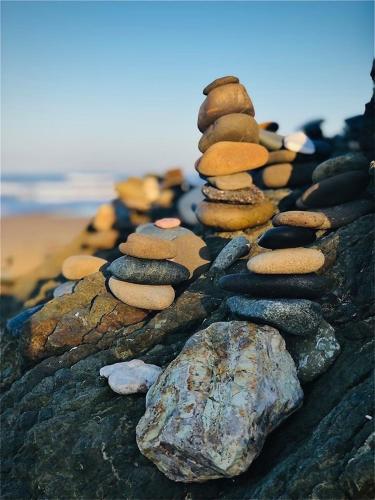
(231, 152)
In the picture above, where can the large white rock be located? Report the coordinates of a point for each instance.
(130, 377)
(209, 413)
(300, 143)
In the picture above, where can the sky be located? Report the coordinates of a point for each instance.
(116, 86)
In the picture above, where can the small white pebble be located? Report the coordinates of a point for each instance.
(369, 417)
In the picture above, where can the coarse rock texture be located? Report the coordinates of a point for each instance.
(223, 80)
(148, 272)
(79, 266)
(209, 413)
(340, 165)
(242, 180)
(248, 196)
(224, 100)
(287, 261)
(226, 157)
(301, 218)
(235, 127)
(230, 217)
(315, 353)
(130, 377)
(294, 316)
(148, 247)
(233, 250)
(64, 430)
(154, 297)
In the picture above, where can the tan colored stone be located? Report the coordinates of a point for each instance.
(79, 266)
(148, 247)
(172, 178)
(192, 253)
(299, 218)
(236, 127)
(223, 100)
(224, 158)
(139, 193)
(242, 180)
(223, 80)
(105, 217)
(277, 176)
(234, 217)
(287, 261)
(281, 156)
(154, 297)
(101, 240)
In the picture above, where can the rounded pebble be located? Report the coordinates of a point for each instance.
(287, 261)
(76, 267)
(153, 297)
(167, 223)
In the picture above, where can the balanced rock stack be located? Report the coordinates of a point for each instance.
(157, 257)
(231, 150)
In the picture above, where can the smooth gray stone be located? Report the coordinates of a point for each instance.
(166, 234)
(233, 250)
(313, 355)
(270, 140)
(295, 316)
(148, 272)
(64, 289)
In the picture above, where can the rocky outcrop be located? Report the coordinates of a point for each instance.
(209, 413)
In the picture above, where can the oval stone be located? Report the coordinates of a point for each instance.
(344, 214)
(307, 286)
(223, 100)
(236, 127)
(242, 180)
(168, 223)
(249, 196)
(300, 143)
(335, 190)
(234, 217)
(340, 165)
(223, 80)
(76, 267)
(286, 174)
(148, 272)
(270, 140)
(299, 218)
(105, 217)
(224, 158)
(150, 229)
(295, 316)
(150, 297)
(148, 247)
(287, 261)
(287, 237)
(281, 156)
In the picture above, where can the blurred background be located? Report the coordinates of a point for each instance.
(95, 92)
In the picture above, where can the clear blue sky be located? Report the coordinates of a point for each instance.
(117, 85)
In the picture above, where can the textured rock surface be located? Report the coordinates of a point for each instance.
(340, 165)
(294, 316)
(251, 195)
(209, 413)
(233, 250)
(130, 377)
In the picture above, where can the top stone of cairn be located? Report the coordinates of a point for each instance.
(224, 80)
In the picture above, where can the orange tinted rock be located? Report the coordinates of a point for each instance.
(225, 158)
(276, 176)
(148, 247)
(281, 156)
(154, 297)
(79, 266)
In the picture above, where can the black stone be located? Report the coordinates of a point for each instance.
(303, 286)
(148, 272)
(287, 237)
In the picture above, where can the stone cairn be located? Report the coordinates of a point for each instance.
(231, 149)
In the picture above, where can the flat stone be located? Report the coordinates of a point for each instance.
(76, 267)
(223, 100)
(150, 229)
(64, 289)
(234, 217)
(209, 413)
(101, 240)
(340, 165)
(300, 143)
(233, 250)
(287, 261)
(287, 237)
(148, 247)
(130, 377)
(223, 80)
(342, 215)
(153, 297)
(270, 140)
(242, 180)
(305, 286)
(302, 218)
(168, 223)
(192, 253)
(148, 272)
(248, 196)
(105, 217)
(236, 127)
(313, 355)
(334, 190)
(294, 316)
(187, 204)
(224, 158)
(285, 174)
(281, 156)
(271, 126)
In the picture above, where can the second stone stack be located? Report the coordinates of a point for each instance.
(230, 147)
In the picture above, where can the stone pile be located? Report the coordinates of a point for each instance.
(231, 151)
